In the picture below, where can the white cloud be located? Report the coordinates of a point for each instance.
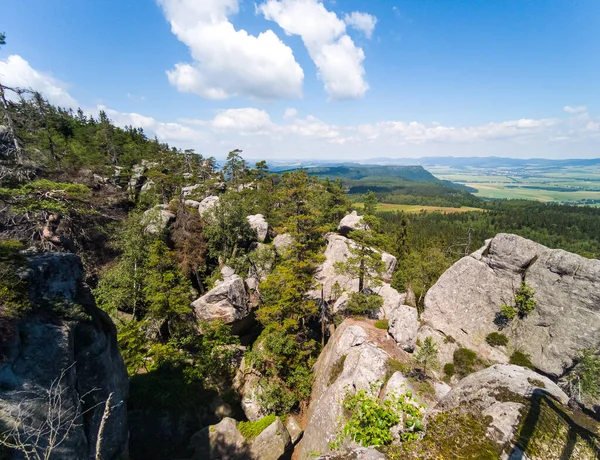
(17, 73)
(339, 61)
(290, 113)
(578, 109)
(243, 121)
(363, 22)
(229, 62)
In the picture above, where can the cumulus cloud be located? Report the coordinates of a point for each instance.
(290, 113)
(229, 62)
(16, 72)
(339, 61)
(243, 121)
(577, 109)
(363, 22)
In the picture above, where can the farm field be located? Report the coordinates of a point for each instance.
(568, 185)
(417, 208)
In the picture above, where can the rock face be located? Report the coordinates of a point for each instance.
(465, 300)
(74, 347)
(227, 301)
(338, 251)
(363, 364)
(224, 441)
(282, 243)
(356, 453)
(404, 325)
(351, 222)
(259, 225)
(207, 204)
(157, 218)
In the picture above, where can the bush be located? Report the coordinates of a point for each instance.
(362, 304)
(496, 339)
(449, 369)
(251, 430)
(382, 324)
(369, 419)
(337, 369)
(522, 359)
(464, 361)
(524, 300)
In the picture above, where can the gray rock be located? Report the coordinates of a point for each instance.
(283, 243)
(404, 326)
(397, 385)
(207, 204)
(293, 427)
(76, 348)
(441, 389)
(187, 191)
(390, 265)
(356, 453)
(247, 384)
(259, 225)
(192, 204)
(272, 443)
(147, 186)
(465, 300)
(157, 219)
(222, 441)
(351, 222)
(446, 345)
(227, 301)
(364, 365)
(505, 419)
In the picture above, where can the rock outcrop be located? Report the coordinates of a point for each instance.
(62, 360)
(157, 219)
(207, 204)
(351, 222)
(404, 326)
(356, 453)
(227, 301)
(283, 243)
(465, 301)
(259, 225)
(349, 360)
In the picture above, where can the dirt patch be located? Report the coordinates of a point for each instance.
(381, 338)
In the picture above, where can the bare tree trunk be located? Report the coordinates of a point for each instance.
(11, 127)
(100, 438)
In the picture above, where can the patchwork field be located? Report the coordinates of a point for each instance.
(417, 208)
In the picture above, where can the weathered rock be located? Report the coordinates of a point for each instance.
(259, 225)
(293, 427)
(149, 185)
(363, 365)
(207, 204)
(246, 382)
(222, 441)
(467, 297)
(192, 204)
(262, 265)
(356, 453)
(441, 389)
(283, 243)
(187, 191)
(52, 358)
(397, 385)
(351, 222)
(404, 325)
(272, 443)
(390, 265)
(228, 301)
(157, 219)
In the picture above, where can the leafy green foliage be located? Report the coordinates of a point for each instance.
(251, 430)
(362, 304)
(427, 355)
(368, 419)
(496, 339)
(382, 324)
(520, 358)
(449, 369)
(524, 304)
(370, 204)
(465, 361)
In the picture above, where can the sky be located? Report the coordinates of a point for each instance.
(322, 79)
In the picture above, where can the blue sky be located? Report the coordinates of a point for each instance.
(342, 79)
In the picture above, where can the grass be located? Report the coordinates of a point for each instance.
(382, 324)
(251, 430)
(409, 208)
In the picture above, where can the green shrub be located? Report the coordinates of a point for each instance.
(520, 358)
(251, 430)
(524, 300)
(496, 339)
(368, 419)
(382, 324)
(362, 304)
(464, 361)
(449, 369)
(337, 369)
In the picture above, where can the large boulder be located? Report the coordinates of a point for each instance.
(207, 204)
(247, 384)
(349, 360)
(282, 243)
(227, 301)
(466, 300)
(60, 364)
(404, 326)
(272, 443)
(259, 225)
(351, 222)
(157, 218)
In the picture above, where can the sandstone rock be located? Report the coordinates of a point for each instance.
(246, 382)
(192, 204)
(272, 443)
(446, 345)
(187, 191)
(351, 222)
(397, 385)
(404, 325)
(259, 225)
(74, 347)
(222, 441)
(207, 204)
(390, 265)
(363, 365)
(293, 427)
(147, 186)
(505, 419)
(157, 219)
(441, 389)
(227, 301)
(465, 300)
(356, 453)
(283, 243)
